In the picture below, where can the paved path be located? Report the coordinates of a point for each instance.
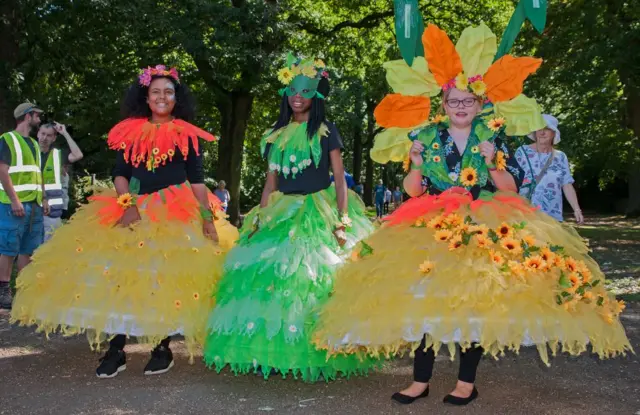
(56, 377)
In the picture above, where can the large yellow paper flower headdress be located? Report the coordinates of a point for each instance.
(467, 66)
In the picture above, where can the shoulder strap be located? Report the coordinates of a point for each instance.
(545, 167)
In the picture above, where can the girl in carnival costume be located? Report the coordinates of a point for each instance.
(141, 261)
(283, 266)
(469, 262)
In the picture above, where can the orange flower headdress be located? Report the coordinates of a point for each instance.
(468, 65)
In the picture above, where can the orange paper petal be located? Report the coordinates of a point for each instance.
(505, 77)
(402, 111)
(440, 52)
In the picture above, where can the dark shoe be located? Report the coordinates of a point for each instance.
(406, 399)
(454, 400)
(161, 361)
(112, 363)
(6, 299)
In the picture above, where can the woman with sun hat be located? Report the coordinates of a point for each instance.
(466, 263)
(143, 260)
(546, 172)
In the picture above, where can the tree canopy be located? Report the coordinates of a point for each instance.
(75, 58)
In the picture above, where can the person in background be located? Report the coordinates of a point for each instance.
(397, 198)
(359, 189)
(21, 197)
(223, 194)
(547, 173)
(387, 199)
(378, 197)
(54, 172)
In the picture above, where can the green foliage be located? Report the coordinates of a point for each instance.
(76, 59)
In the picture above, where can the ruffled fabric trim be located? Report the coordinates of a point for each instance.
(143, 142)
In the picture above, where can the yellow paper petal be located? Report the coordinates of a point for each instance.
(477, 47)
(522, 115)
(414, 80)
(392, 144)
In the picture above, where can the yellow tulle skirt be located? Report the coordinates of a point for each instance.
(495, 272)
(150, 280)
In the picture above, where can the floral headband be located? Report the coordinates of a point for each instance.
(159, 70)
(475, 84)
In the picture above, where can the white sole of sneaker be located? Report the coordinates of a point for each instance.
(120, 369)
(159, 372)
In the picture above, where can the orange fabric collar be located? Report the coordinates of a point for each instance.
(154, 144)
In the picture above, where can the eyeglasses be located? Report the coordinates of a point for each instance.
(467, 102)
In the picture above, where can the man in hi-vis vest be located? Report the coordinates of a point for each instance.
(54, 161)
(22, 201)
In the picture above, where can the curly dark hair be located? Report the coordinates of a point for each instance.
(134, 104)
(317, 116)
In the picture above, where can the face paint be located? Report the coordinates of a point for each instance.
(306, 87)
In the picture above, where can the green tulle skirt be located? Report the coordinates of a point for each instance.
(275, 280)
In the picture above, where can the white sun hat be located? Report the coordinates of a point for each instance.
(552, 123)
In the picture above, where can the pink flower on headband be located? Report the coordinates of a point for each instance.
(325, 74)
(159, 70)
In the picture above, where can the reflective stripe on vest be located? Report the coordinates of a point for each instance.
(52, 175)
(56, 183)
(26, 178)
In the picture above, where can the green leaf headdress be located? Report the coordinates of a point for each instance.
(302, 76)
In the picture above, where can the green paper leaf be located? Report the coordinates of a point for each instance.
(558, 300)
(595, 283)
(291, 59)
(468, 220)
(466, 237)
(580, 290)
(409, 28)
(134, 186)
(163, 197)
(556, 248)
(566, 294)
(536, 12)
(564, 281)
(600, 300)
(493, 235)
(534, 248)
(366, 250)
(520, 226)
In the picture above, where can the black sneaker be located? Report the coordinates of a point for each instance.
(112, 363)
(6, 299)
(161, 361)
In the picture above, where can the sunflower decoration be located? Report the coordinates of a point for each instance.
(426, 267)
(443, 235)
(511, 246)
(497, 258)
(469, 177)
(455, 242)
(501, 161)
(496, 124)
(504, 231)
(534, 263)
(126, 200)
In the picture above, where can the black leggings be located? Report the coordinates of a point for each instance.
(120, 340)
(423, 363)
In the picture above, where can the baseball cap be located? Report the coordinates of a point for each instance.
(24, 109)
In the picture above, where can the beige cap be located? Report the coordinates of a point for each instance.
(24, 109)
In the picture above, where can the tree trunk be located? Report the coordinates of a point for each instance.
(357, 155)
(9, 49)
(368, 183)
(235, 110)
(633, 117)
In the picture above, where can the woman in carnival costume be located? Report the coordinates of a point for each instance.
(141, 261)
(283, 266)
(469, 262)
